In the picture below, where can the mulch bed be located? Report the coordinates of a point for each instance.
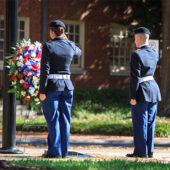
(5, 165)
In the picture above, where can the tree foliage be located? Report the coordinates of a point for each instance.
(135, 13)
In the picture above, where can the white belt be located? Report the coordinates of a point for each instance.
(147, 78)
(59, 76)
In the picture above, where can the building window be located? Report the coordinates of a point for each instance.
(23, 33)
(122, 47)
(23, 28)
(1, 38)
(75, 33)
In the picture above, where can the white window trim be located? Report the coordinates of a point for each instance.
(1, 61)
(26, 32)
(27, 26)
(75, 69)
(121, 72)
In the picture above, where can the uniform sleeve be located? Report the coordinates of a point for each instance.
(77, 51)
(45, 69)
(135, 74)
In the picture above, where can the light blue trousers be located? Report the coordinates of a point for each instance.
(143, 118)
(57, 112)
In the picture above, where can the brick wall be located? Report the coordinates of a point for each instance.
(97, 16)
(32, 9)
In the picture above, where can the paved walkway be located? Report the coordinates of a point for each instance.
(88, 147)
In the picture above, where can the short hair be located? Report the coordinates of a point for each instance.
(57, 30)
(144, 37)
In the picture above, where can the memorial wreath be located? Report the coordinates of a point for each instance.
(24, 72)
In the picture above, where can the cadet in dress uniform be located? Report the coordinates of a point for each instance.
(56, 88)
(144, 93)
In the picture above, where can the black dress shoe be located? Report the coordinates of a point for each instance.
(150, 155)
(64, 156)
(136, 155)
(131, 155)
(49, 156)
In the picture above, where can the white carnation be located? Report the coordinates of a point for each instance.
(21, 81)
(13, 82)
(36, 99)
(35, 80)
(19, 64)
(20, 58)
(33, 54)
(37, 43)
(28, 63)
(31, 47)
(23, 93)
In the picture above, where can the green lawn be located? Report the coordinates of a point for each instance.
(94, 124)
(94, 111)
(93, 165)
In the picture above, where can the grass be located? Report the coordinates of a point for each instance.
(92, 165)
(94, 111)
(94, 125)
(103, 101)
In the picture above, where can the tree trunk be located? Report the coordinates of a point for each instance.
(164, 107)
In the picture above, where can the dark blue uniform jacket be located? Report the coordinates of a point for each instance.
(56, 59)
(143, 63)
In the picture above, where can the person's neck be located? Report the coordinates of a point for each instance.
(56, 37)
(144, 44)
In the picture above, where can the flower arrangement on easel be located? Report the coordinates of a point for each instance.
(24, 72)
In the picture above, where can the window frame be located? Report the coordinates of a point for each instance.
(78, 69)
(131, 48)
(1, 61)
(26, 27)
(26, 32)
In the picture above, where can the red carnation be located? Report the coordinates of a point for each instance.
(19, 52)
(36, 65)
(25, 60)
(13, 78)
(26, 48)
(38, 55)
(29, 55)
(25, 72)
(30, 77)
(33, 69)
(25, 85)
(13, 59)
(20, 76)
(19, 56)
(18, 48)
(27, 98)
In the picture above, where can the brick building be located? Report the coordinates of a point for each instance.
(105, 44)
